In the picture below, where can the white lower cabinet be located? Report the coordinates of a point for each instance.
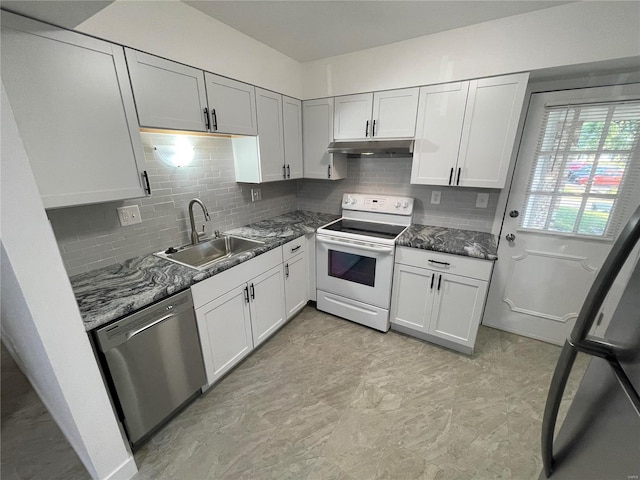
(225, 332)
(266, 301)
(432, 302)
(296, 275)
(232, 322)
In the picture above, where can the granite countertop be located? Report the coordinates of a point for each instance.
(108, 293)
(450, 240)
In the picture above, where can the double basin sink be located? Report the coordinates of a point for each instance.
(208, 252)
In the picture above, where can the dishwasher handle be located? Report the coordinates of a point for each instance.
(152, 324)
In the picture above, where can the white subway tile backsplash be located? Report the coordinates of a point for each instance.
(91, 237)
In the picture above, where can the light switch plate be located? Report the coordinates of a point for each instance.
(256, 194)
(435, 197)
(482, 201)
(129, 215)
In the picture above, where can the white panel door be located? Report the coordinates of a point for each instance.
(490, 124)
(74, 107)
(394, 113)
(292, 127)
(438, 132)
(270, 135)
(267, 304)
(412, 297)
(232, 105)
(296, 273)
(224, 325)
(457, 308)
(352, 118)
(167, 94)
(541, 278)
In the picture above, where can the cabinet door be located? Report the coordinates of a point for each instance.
(232, 105)
(292, 121)
(267, 304)
(317, 133)
(439, 129)
(490, 127)
(270, 136)
(72, 100)
(224, 325)
(412, 298)
(394, 113)
(457, 309)
(352, 118)
(167, 94)
(296, 274)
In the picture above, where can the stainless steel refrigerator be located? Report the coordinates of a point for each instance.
(600, 436)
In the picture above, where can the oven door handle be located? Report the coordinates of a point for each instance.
(368, 248)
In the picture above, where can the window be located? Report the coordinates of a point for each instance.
(583, 160)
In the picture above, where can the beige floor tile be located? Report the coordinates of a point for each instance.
(327, 399)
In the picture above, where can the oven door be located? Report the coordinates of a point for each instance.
(357, 270)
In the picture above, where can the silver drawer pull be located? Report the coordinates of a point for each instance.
(446, 264)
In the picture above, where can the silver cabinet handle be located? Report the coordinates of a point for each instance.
(152, 324)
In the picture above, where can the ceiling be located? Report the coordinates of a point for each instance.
(308, 30)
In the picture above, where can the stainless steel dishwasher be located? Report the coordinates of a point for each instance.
(154, 362)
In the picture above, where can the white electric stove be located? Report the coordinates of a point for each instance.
(354, 257)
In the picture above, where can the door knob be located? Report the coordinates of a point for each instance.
(510, 237)
(514, 213)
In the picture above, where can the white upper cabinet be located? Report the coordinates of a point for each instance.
(367, 116)
(232, 105)
(491, 122)
(292, 121)
(72, 101)
(466, 131)
(317, 133)
(352, 118)
(394, 113)
(270, 135)
(439, 129)
(276, 153)
(167, 94)
(175, 96)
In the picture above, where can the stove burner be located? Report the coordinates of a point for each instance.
(359, 227)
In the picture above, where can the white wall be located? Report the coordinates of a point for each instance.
(570, 34)
(179, 32)
(41, 324)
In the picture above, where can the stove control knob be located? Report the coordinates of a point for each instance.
(353, 201)
(397, 205)
(346, 201)
(405, 205)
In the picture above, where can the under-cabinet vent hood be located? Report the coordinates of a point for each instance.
(372, 147)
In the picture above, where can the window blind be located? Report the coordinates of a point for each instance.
(585, 169)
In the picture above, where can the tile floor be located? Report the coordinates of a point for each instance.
(328, 399)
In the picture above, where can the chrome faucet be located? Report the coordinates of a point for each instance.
(195, 235)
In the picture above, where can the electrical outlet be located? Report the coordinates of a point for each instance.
(435, 197)
(256, 194)
(129, 215)
(482, 201)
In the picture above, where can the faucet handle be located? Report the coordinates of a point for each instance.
(217, 234)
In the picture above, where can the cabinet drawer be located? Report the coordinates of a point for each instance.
(443, 262)
(293, 248)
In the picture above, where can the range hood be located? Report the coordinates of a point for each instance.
(372, 147)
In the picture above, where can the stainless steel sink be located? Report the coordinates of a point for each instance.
(208, 252)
